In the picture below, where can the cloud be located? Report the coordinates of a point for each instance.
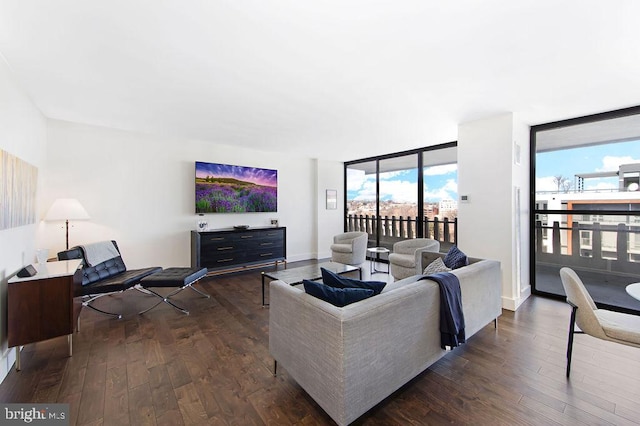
(445, 169)
(601, 185)
(399, 190)
(366, 191)
(394, 174)
(546, 184)
(612, 164)
(447, 192)
(356, 179)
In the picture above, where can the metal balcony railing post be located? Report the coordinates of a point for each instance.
(621, 243)
(596, 241)
(446, 230)
(557, 246)
(575, 240)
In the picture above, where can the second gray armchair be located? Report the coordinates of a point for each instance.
(406, 259)
(349, 248)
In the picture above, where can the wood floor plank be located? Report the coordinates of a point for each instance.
(193, 412)
(141, 410)
(137, 374)
(162, 393)
(116, 398)
(93, 392)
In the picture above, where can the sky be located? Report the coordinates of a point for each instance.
(590, 159)
(441, 181)
(266, 177)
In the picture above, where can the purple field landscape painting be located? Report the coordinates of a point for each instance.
(221, 188)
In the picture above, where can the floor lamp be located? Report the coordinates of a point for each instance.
(66, 209)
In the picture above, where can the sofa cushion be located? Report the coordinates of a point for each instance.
(332, 279)
(117, 282)
(336, 296)
(455, 258)
(435, 267)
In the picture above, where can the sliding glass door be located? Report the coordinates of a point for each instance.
(586, 193)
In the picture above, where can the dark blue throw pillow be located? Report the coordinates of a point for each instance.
(334, 280)
(336, 296)
(455, 258)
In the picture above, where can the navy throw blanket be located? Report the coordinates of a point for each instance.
(451, 316)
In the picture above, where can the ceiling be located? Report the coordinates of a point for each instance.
(332, 79)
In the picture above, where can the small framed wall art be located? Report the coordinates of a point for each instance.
(332, 199)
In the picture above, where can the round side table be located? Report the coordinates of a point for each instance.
(373, 253)
(634, 290)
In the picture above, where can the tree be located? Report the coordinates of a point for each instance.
(561, 181)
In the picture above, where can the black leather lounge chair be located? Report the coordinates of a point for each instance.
(108, 277)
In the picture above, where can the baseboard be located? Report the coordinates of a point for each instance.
(324, 255)
(301, 257)
(6, 363)
(512, 304)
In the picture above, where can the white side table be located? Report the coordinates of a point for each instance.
(634, 290)
(373, 253)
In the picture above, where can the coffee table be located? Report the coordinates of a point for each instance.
(293, 276)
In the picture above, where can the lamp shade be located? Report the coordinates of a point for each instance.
(66, 209)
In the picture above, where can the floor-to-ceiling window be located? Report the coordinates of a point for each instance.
(586, 193)
(403, 195)
(440, 195)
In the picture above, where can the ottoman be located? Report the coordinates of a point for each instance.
(179, 278)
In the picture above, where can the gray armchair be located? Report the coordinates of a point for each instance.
(406, 259)
(349, 248)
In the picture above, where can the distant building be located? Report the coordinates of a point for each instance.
(448, 208)
(624, 198)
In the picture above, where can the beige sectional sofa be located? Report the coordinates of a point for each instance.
(349, 359)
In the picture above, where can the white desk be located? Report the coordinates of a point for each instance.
(634, 290)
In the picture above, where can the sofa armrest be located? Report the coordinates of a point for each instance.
(435, 248)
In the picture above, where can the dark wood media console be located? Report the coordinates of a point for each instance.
(226, 250)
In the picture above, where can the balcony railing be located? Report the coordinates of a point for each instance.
(613, 247)
(393, 229)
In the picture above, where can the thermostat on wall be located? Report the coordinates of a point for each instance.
(464, 198)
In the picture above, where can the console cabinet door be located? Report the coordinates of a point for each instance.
(39, 310)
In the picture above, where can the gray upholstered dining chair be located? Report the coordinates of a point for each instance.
(350, 248)
(601, 323)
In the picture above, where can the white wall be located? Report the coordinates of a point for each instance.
(487, 174)
(139, 190)
(22, 134)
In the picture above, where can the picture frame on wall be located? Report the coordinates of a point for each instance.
(17, 192)
(332, 199)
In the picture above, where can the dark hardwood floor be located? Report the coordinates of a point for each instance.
(213, 367)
